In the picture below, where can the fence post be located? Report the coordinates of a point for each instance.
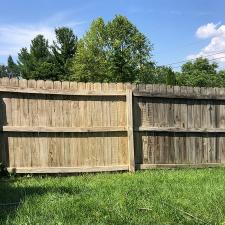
(130, 132)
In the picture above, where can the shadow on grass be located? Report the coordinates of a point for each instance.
(13, 196)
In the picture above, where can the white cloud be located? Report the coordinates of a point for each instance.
(15, 36)
(215, 49)
(207, 30)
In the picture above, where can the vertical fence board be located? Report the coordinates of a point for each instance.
(130, 133)
(160, 130)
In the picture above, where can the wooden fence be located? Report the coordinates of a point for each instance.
(65, 127)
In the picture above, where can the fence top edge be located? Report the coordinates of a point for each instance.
(72, 85)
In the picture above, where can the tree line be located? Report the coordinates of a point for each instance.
(114, 51)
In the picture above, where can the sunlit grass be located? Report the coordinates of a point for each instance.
(151, 197)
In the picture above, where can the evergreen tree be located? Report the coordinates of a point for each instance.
(24, 63)
(64, 49)
(170, 76)
(12, 68)
(38, 63)
(3, 71)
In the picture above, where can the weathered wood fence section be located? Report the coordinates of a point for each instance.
(57, 127)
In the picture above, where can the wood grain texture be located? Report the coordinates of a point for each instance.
(153, 166)
(46, 125)
(57, 92)
(130, 133)
(186, 126)
(23, 170)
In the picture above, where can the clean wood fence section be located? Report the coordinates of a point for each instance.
(63, 127)
(56, 127)
(179, 126)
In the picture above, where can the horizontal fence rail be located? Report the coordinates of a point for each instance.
(68, 127)
(61, 129)
(212, 96)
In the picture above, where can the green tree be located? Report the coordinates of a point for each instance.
(170, 76)
(64, 49)
(24, 63)
(221, 78)
(128, 50)
(112, 52)
(164, 75)
(3, 71)
(199, 73)
(147, 74)
(38, 63)
(12, 68)
(90, 61)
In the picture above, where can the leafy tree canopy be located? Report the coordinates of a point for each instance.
(200, 73)
(164, 75)
(112, 52)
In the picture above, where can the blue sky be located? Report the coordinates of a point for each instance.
(178, 29)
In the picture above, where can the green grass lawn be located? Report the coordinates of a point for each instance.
(192, 196)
